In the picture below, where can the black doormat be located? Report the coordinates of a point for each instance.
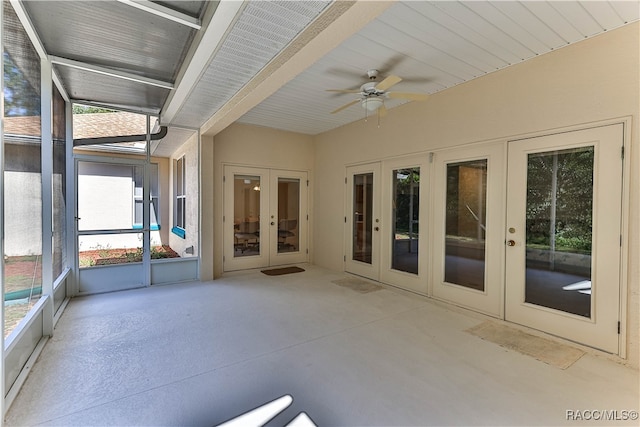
(281, 271)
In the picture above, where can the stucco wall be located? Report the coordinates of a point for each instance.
(252, 146)
(591, 81)
(192, 209)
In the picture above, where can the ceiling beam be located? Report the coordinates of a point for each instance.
(99, 69)
(339, 22)
(164, 12)
(119, 107)
(218, 21)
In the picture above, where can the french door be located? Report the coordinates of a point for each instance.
(543, 251)
(265, 217)
(468, 218)
(363, 220)
(563, 235)
(386, 228)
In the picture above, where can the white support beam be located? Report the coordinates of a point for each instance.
(58, 83)
(164, 12)
(99, 69)
(119, 107)
(204, 47)
(337, 23)
(46, 177)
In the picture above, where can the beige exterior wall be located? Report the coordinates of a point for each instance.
(588, 82)
(192, 209)
(249, 146)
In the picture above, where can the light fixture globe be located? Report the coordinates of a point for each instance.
(372, 103)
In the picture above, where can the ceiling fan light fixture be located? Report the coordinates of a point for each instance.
(372, 103)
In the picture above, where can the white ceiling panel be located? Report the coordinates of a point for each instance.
(604, 14)
(554, 21)
(579, 17)
(435, 45)
(509, 26)
(471, 26)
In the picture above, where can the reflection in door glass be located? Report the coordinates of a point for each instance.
(246, 215)
(465, 224)
(288, 214)
(362, 217)
(406, 208)
(559, 234)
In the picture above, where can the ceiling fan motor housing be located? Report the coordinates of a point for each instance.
(369, 89)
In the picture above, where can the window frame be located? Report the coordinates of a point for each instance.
(180, 197)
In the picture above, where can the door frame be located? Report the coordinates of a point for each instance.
(546, 319)
(413, 282)
(268, 255)
(372, 270)
(94, 279)
(490, 301)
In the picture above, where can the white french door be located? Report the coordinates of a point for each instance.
(563, 235)
(265, 217)
(403, 251)
(468, 218)
(363, 220)
(385, 226)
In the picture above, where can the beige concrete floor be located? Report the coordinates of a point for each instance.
(201, 353)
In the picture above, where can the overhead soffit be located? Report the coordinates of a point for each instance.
(433, 46)
(262, 31)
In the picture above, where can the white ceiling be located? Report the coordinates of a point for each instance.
(433, 46)
(269, 63)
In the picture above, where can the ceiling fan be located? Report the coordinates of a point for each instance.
(372, 94)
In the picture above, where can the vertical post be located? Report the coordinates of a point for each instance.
(146, 211)
(46, 173)
(2, 381)
(552, 215)
(72, 206)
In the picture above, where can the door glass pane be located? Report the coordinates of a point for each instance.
(246, 217)
(406, 208)
(362, 217)
(465, 224)
(288, 214)
(106, 196)
(559, 235)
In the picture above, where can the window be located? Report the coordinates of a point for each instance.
(137, 197)
(180, 197)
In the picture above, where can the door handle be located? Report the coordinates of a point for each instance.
(511, 242)
(273, 223)
(377, 228)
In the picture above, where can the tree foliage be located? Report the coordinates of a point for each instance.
(85, 109)
(573, 199)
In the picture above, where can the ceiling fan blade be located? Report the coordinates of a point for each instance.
(343, 90)
(345, 106)
(408, 95)
(388, 82)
